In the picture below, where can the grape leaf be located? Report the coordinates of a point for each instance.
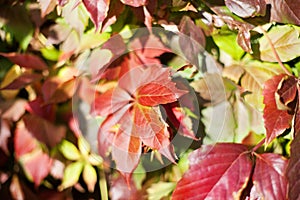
(216, 171)
(269, 176)
(286, 42)
(98, 10)
(135, 3)
(137, 115)
(28, 61)
(292, 171)
(276, 121)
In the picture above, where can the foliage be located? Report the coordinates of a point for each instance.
(109, 99)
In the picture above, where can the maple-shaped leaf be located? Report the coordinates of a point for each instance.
(222, 170)
(22, 81)
(98, 10)
(43, 130)
(134, 117)
(135, 3)
(292, 171)
(28, 61)
(276, 121)
(269, 176)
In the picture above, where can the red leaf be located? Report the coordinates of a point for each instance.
(22, 81)
(216, 171)
(63, 92)
(288, 90)
(43, 130)
(276, 121)
(285, 11)
(12, 110)
(23, 141)
(126, 152)
(269, 176)
(36, 107)
(292, 171)
(120, 190)
(245, 8)
(180, 121)
(131, 123)
(135, 3)
(98, 10)
(26, 60)
(38, 171)
(115, 10)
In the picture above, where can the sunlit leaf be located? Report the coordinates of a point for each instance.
(276, 121)
(98, 10)
(71, 174)
(246, 8)
(220, 170)
(269, 176)
(160, 190)
(24, 142)
(22, 81)
(69, 150)
(286, 42)
(89, 176)
(84, 146)
(285, 11)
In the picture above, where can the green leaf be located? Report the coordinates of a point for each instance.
(90, 177)
(50, 53)
(95, 159)
(286, 42)
(226, 41)
(139, 175)
(160, 190)
(69, 150)
(71, 175)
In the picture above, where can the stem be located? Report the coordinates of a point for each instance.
(258, 145)
(275, 52)
(103, 185)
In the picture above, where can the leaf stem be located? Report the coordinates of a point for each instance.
(258, 145)
(103, 185)
(275, 52)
